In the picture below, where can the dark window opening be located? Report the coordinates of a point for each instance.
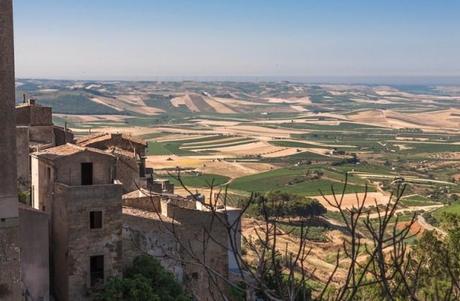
(97, 270)
(141, 164)
(95, 219)
(87, 174)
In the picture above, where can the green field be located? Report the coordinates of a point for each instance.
(189, 147)
(417, 201)
(454, 208)
(294, 180)
(218, 144)
(283, 143)
(199, 181)
(158, 149)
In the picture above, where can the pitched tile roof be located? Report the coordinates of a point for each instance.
(65, 150)
(88, 140)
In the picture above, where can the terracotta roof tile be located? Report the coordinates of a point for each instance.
(65, 150)
(88, 140)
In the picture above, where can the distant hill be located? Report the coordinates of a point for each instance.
(233, 98)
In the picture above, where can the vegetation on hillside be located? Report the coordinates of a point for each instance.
(145, 280)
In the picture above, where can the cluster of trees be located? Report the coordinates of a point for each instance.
(353, 160)
(145, 280)
(443, 195)
(282, 204)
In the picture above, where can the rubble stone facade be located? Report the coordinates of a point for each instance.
(172, 228)
(74, 242)
(76, 185)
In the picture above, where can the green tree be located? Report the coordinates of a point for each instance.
(145, 280)
(283, 204)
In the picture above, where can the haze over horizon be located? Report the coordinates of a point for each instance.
(235, 39)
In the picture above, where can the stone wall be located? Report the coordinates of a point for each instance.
(23, 159)
(68, 170)
(83, 242)
(147, 203)
(42, 134)
(62, 136)
(128, 173)
(144, 234)
(10, 282)
(34, 243)
(196, 227)
(33, 115)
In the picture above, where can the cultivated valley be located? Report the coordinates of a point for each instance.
(292, 138)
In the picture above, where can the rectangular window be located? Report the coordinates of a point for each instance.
(87, 174)
(97, 270)
(95, 219)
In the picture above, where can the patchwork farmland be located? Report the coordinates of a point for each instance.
(288, 138)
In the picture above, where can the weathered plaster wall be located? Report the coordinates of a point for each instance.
(34, 243)
(42, 184)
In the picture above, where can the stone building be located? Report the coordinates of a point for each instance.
(39, 119)
(130, 154)
(35, 131)
(77, 187)
(171, 228)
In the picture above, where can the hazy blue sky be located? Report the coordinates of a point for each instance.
(142, 39)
